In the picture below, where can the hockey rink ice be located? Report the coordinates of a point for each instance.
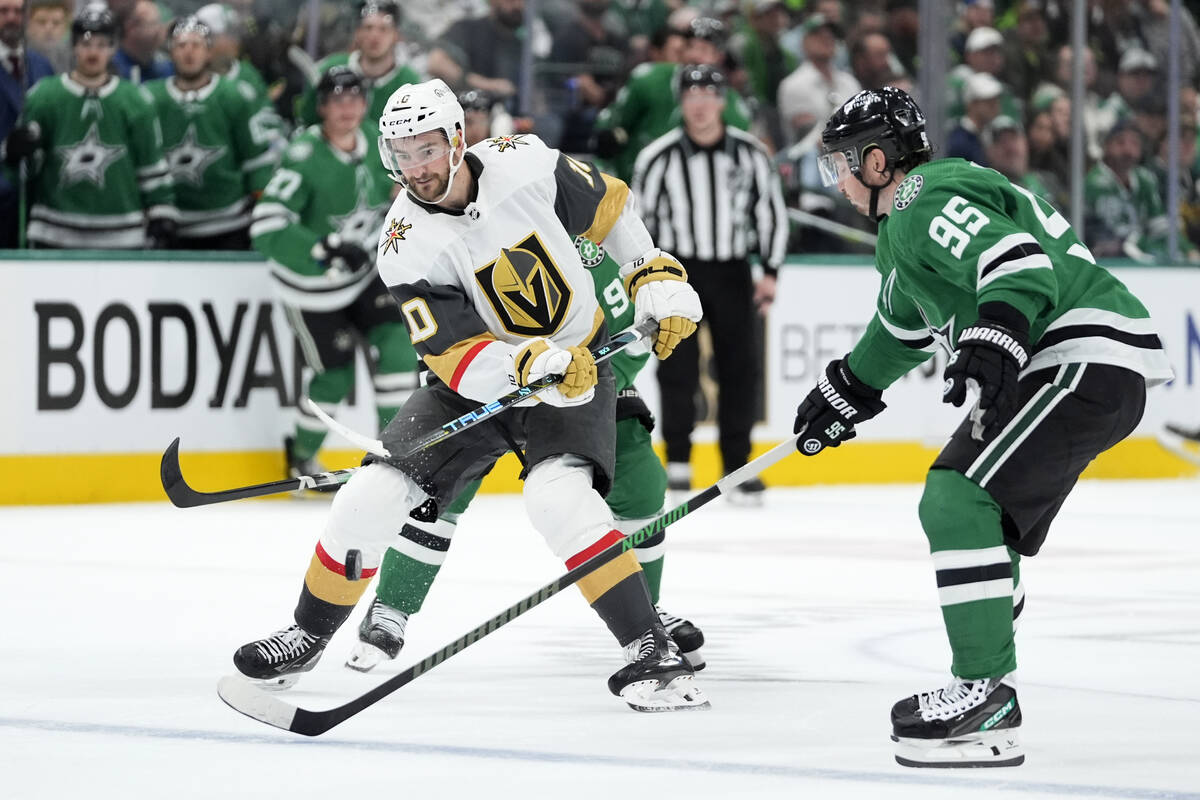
(820, 611)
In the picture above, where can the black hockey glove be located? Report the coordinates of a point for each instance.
(160, 233)
(989, 359)
(838, 402)
(338, 255)
(22, 142)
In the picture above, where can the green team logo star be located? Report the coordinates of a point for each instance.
(88, 159)
(590, 253)
(360, 224)
(907, 191)
(189, 159)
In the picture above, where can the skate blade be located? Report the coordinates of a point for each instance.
(277, 684)
(695, 658)
(651, 696)
(365, 657)
(745, 499)
(992, 749)
(1184, 448)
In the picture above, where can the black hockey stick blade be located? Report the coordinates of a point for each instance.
(243, 696)
(184, 496)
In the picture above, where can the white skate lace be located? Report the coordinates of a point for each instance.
(641, 648)
(284, 645)
(669, 621)
(959, 697)
(391, 620)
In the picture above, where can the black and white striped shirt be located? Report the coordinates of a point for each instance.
(712, 203)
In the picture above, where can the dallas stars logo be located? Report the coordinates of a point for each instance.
(88, 159)
(590, 253)
(907, 191)
(189, 159)
(502, 143)
(394, 235)
(356, 224)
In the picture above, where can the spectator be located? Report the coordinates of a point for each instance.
(1135, 79)
(704, 188)
(903, 26)
(589, 41)
(1048, 154)
(810, 94)
(220, 159)
(984, 56)
(1189, 179)
(318, 223)
(1150, 118)
(758, 49)
(1027, 60)
(972, 14)
(1096, 119)
(1155, 28)
(485, 52)
(1008, 153)
(871, 61)
(982, 95)
(100, 178)
(47, 31)
(648, 106)
(667, 44)
(138, 58)
(374, 58)
(20, 68)
(1125, 214)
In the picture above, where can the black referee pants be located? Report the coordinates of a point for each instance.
(727, 296)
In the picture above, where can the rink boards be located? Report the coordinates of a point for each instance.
(108, 360)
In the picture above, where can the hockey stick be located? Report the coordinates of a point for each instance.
(184, 496)
(246, 698)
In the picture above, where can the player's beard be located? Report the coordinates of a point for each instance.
(432, 190)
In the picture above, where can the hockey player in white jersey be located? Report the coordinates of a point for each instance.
(479, 253)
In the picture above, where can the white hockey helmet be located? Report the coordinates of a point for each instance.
(417, 108)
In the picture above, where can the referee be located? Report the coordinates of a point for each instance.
(708, 192)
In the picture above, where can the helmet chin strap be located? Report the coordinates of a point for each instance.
(873, 207)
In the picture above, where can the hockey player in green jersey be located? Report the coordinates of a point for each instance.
(220, 158)
(317, 223)
(99, 178)
(1058, 352)
(648, 105)
(639, 489)
(374, 59)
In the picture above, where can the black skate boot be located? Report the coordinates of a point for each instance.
(1183, 442)
(657, 677)
(968, 724)
(380, 637)
(686, 636)
(277, 661)
(748, 494)
(297, 467)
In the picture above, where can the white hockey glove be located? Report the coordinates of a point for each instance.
(538, 358)
(658, 285)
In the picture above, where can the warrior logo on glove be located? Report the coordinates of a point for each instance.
(526, 288)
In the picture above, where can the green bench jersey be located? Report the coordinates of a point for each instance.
(647, 107)
(266, 119)
(101, 170)
(319, 190)
(219, 155)
(960, 235)
(378, 89)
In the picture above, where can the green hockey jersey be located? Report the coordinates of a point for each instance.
(317, 190)
(219, 156)
(100, 172)
(647, 107)
(266, 119)
(616, 305)
(960, 235)
(378, 89)
(1116, 214)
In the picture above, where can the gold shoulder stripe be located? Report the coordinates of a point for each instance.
(450, 363)
(597, 321)
(609, 209)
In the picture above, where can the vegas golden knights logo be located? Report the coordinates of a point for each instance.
(527, 290)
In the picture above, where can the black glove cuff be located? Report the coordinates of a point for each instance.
(1006, 315)
(841, 368)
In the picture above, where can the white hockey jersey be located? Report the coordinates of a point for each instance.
(472, 284)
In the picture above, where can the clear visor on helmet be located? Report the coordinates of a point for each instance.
(411, 152)
(836, 165)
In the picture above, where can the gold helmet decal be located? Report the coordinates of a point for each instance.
(526, 289)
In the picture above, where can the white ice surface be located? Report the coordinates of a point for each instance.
(820, 611)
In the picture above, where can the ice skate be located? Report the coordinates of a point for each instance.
(1183, 442)
(380, 637)
(748, 494)
(657, 677)
(277, 661)
(297, 467)
(679, 482)
(686, 636)
(971, 723)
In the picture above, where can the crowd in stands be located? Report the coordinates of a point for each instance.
(597, 80)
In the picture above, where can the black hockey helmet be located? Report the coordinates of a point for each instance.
(338, 80)
(475, 100)
(703, 76)
(886, 119)
(385, 8)
(709, 29)
(93, 21)
(182, 26)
